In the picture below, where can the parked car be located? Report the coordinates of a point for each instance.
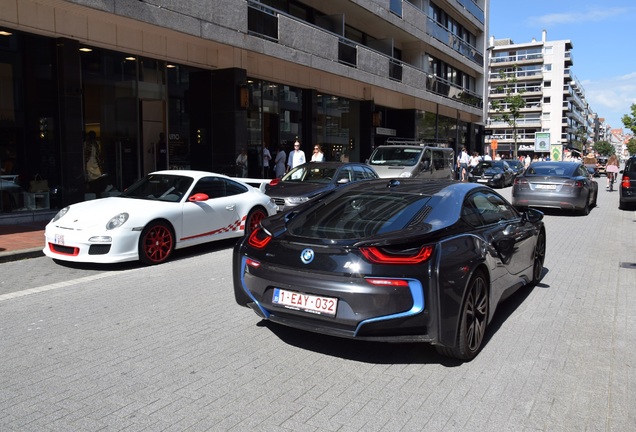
(493, 173)
(312, 179)
(402, 260)
(517, 166)
(163, 211)
(627, 186)
(556, 184)
(601, 163)
(411, 160)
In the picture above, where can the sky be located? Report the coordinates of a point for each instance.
(603, 36)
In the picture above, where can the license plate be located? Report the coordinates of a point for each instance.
(59, 239)
(545, 186)
(305, 302)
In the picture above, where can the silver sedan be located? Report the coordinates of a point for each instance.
(560, 185)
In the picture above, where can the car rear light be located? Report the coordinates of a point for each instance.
(259, 238)
(274, 182)
(574, 183)
(521, 181)
(388, 282)
(377, 256)
(252, 263)
(625, 181)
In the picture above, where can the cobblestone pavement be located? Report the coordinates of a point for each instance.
(130, 348)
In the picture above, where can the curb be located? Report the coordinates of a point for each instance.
(20, 255)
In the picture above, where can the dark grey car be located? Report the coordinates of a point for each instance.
(312, 179)
(561, 185)
(627, 185)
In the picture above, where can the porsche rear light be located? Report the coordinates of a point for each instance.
(274, 182)
(259, 238)
(376, 255)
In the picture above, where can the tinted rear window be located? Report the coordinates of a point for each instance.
(359, 215)
(551, 169)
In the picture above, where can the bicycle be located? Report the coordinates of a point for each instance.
(611, 178)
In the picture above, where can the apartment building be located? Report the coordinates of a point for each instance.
(166, 84)
(556, 115)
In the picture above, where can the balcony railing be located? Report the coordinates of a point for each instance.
(447, 37)
(516, 58)
(262, 21)
(474, 10)
(395, 6)
(347, 52)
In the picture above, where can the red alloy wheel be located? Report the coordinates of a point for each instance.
(253, 219)
(156, 243)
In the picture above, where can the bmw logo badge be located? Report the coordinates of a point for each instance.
(307, 256)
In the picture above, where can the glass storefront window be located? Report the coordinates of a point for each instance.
(333, 126)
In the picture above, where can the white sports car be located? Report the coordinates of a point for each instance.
(164, 211)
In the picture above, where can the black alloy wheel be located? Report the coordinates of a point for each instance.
(539, 258)
(473, 320)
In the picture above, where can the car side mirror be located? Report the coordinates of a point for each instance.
(532, 215)
(198, 197)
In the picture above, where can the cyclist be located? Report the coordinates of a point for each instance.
(611, 170)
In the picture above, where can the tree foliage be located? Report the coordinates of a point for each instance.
(509, 108)
(604, 148)
(631, 146)
(629, 121)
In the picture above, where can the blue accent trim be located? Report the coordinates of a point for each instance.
(247, 291)
(417, 292)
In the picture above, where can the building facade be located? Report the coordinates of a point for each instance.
(556, 115)
(124, 87)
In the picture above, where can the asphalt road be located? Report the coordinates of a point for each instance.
(165, 348)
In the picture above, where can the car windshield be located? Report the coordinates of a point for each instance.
(551, 169)
(159, 187)
(311, 174)
(358, 215)
(398, 156)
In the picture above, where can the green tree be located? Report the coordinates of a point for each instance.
(509, 108)
(629, 121)
(604, 148)
(580, 139)
(631, 146)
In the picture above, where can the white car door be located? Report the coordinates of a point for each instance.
(213, 219)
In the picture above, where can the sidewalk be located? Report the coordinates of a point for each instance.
(20, 241)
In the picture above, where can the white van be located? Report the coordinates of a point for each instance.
(412, 160)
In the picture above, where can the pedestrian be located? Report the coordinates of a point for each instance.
(318, 155)
(296, 157)
(279, 162)
(267, 156)
(462, 164)
(241, 163)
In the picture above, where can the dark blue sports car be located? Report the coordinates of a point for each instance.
(403, 260)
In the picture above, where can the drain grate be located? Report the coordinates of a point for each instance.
(628, 265)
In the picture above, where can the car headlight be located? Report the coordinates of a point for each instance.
(497, 176)
(405, 174)
(60, 214)
(296, 200)
(117, 221)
